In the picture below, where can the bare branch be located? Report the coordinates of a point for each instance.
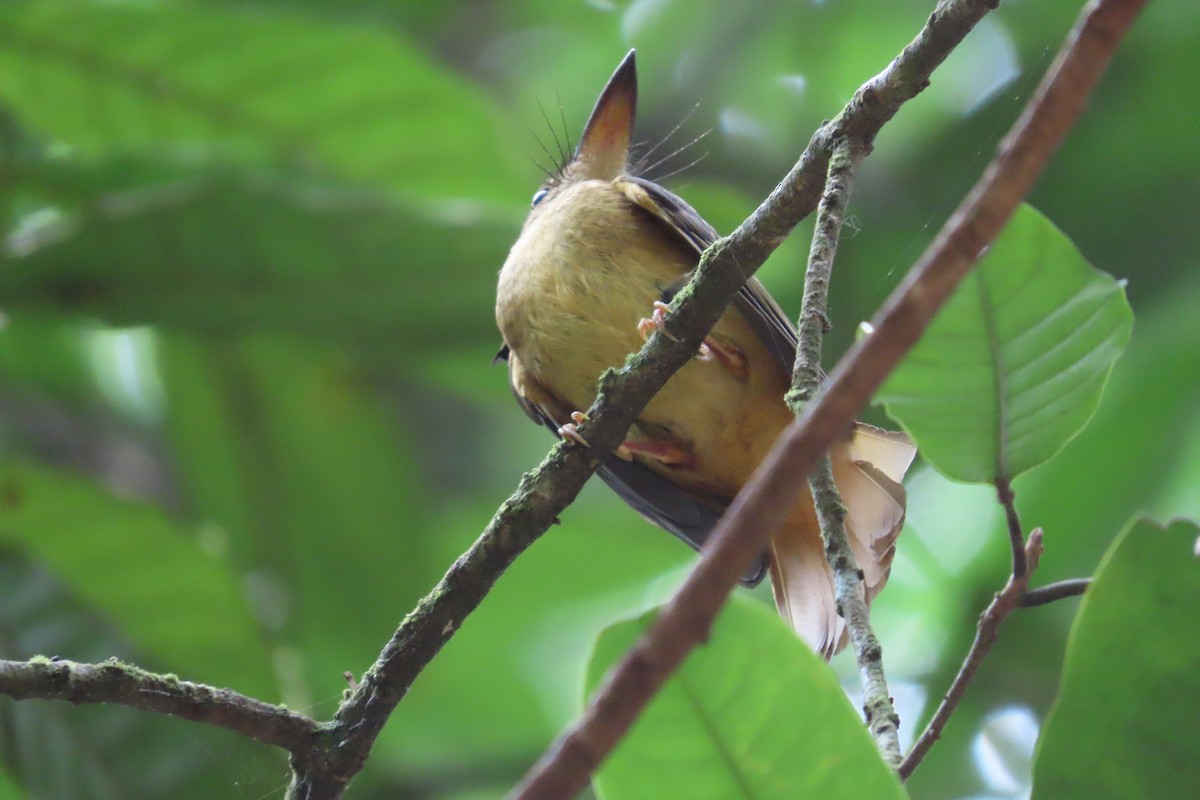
(758, 510)
(118, 683)
(1004, 603)
(1053, 592)
(814, 315)
(1016, 536)
(325, 758)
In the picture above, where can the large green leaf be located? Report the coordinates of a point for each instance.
(303, 463)
(751, 714)
(152, 579)
(1013, 367)
(1122, 726)
(197, 244)
(360, 102)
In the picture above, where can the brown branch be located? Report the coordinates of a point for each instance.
(1009, 599)
(326, 768)
(758, 510)
(118, 683)
(1054, 592)
(1004, 603)
(881, 716)
(1016, 538)
(326, 757)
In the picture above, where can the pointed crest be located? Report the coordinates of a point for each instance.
(604, 147)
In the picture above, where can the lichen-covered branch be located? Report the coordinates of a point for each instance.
(118, 683)
(881, 716)
(758, 510)
(326, 757)
(814, 314)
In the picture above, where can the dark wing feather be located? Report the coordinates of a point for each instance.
(754, 301)
(756, 305)
(654, 497)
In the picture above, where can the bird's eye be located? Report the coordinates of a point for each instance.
(539, 196)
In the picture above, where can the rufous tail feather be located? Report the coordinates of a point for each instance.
(868, 470)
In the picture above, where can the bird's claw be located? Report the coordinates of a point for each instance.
(656, 321)
(569, 432)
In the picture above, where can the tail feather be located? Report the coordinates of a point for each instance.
(803, 584)
(867, 470)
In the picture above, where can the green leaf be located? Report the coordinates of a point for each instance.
(1014, 365)
(1122, 726)
(738, 720)
(356, 100)
(151, 578)
(216, 247)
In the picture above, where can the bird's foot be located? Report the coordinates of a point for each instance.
(663, 452)
(648, 325)
(569, 432)
(727, 355)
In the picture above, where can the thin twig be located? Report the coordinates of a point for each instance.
(1004, 603)
(1024, 562)
(814, 316)
(1016, 539)
(118, 683)
(757, 512)
(324, 767)
(1053, 592)
(881, 716)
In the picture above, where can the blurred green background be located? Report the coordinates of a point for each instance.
(247, 416)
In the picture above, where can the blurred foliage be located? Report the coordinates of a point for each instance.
(247, 276)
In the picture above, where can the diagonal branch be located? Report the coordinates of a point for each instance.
(758, 511)
(118, 683)
(1025, 556)
(1015, 594)
(545, 492)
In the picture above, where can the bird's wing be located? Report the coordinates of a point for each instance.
(753, 300)
(868, 468)
(654, 497)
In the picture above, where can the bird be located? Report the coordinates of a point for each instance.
(590, 276)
